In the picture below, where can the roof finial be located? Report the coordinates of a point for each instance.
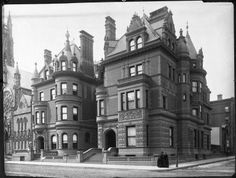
(187, 28)
(67, 35)
(181, 32)
(17, 69)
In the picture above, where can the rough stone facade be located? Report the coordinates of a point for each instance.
(147, 101)
(64, 105)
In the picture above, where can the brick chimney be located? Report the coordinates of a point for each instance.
(47, 56)
(219, 97)
(110, 26)
(86, 43)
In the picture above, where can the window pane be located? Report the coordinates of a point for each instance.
(194, 86)
(123, 101)
(43, 117)
(64, 112)
(101, 107)
(132, 71)
(130, 100)
(63, 65)
(132, 45)
(63, 88)
(139, 69)
(65, 138)
(41, 96)
(131, 131)
(74, 138)
(139, 43)
(131, 136)
(74, 66)
(184, 78)
(53, 94)
(137, 98)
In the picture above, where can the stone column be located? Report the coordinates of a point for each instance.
(105, 155)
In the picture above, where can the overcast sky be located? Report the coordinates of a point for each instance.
(39, 27)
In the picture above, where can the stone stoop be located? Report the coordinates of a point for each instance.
(96, 158)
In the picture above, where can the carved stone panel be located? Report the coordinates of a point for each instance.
(130, 115)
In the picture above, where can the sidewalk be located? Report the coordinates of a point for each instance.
(127, 167)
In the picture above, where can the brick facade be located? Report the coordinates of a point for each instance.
(146, 84)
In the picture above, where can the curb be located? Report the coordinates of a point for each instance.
(123, 167)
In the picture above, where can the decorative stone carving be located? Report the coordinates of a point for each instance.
(130, 115)
(135, 23)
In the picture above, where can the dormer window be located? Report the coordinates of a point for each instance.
(46, 74)
(63, 65)
(132, 45)
(139, 42)
(74, 66)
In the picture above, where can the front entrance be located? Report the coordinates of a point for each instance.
(40, 143)
(110, 139)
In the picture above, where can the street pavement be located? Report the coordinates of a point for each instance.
(53, 169)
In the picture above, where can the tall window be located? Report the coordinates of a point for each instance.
(164, 102)
(194, 112)
(75, 89)
(202, 139)
(63, 88)
(226, 108)
(53, 94)
(137, 95)
(64, 141)
(173, 74)
(131, 136)
(169, 72)
(184, 78)
(43, 117)
(46, 74)
(184, 97)
(123, 103)
(101, 107)
(139, 69)
(63, 113)
(207, 119)
(194, 86)
(53, 142)
(139, 43)
(75, 141)
(147, 99)
(130, 100)
(75, 113)
(87, 137)
(74, 66)
(200, 111)
(63, 65)
(41, 96)
(195, 138)
(132, 71)
(37, 117)
(200, 87)
(208, 142)
(56, 114)
(132, 45)
(179, 78)
(171, 136)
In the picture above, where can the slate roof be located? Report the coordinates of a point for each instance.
(191, 48)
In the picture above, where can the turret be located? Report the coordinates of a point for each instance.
(182, 49)
(68, 52)
(17, 77)
(35, 78)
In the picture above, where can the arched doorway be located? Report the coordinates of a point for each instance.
(40, 143)
(110, 139)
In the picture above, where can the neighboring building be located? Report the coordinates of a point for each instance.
(153, 94)
(223, 125)
(64, 105)
(17, 98)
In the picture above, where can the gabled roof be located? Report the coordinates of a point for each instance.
(191, 48)
(154, 28)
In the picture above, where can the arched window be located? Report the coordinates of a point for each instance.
(63, 65)
(53, 142)
(64, 141)
(74, 66)
(46, 74)
(87, 137)
(43, 117)
(75, 141)
(139, 42)
(132, 45)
